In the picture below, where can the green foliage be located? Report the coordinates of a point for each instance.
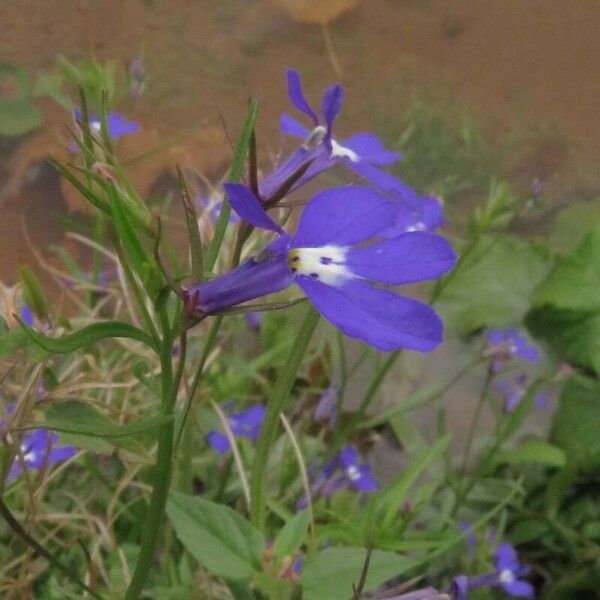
(330, 574)
(217, 536)
(33, 292)
(493, 285)
(567, 305)
(18, 112)
(292, 535)
(534, 451)
(572, 224)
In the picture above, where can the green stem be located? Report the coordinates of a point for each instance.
(162, 470)
(276, 404)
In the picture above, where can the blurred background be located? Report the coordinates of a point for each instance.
(468, 90)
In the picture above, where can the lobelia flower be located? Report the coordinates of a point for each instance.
(504, 344)
(331, 258)
(514, 390)
(343, 472)
(508, 574)
(246, 423)
(38, 450)
(118, 126)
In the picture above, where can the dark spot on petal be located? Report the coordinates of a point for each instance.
(326, 260)
(314, 275)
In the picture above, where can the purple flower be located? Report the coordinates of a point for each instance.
(325, 411)
(505, 344)
(26, 315)
(246, 423)
(39, 449)
(330, 258)
(425, 215)
(118, 126)
(359, 152)
(459, 588)
(508, 574)
(514, 390)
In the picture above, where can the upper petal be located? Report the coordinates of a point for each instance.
(343, 216)
(296, 95)
(333, 98)
(289, 126)
(245, 204)
(375, 316)
(370, 148)
(414, 256)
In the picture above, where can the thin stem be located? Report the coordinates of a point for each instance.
(162, 470)
(51, 558)
(275, 406)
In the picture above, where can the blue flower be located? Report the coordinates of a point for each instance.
(508, 575)
(118, 126)
(514, 390)
(26, 315)
(424, 214)
(246, 423)
(331, 257)
(38, 449)
(504, 344)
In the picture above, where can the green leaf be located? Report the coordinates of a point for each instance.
(235, 174)
(572, 224)
(18, 111)
(290, 538)
(576, 423)
(527, 530)
(493, 286)
(393, 496)
(329, 574)
(218, 537)
(79, 418)
(18, 339)
(89, 335)
(574, 283)
(33, 292)
(536, 451)
(573, 335)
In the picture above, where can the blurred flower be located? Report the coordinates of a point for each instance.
(508, 574)
(137, 78)
(246, 423)
(504, 344)
(470, 538)
(118, 126)
(211, 205)
(327, 257)
(325, 411)
(26, 315)
(514, 390)
(253, 319)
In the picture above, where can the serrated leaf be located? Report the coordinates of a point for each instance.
(89, 335)
(218, 537)
(494, 285)
(330, 574)
(290, 538)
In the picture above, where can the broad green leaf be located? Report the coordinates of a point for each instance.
(572, 224)
(577, 422)
(83, 419)
(393, 496)
(537, 451)
(89, 335)
(329, 574)
(218, 537)
(493, 286)
(574, 283)
(573, 335)
(290, 538)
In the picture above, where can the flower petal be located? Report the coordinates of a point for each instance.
(414, 256)
(333, 98)
(289, 126)
(506, 558)
(218, 441)
(371, 149)
(378, 317)
(366, 482)
(343, 216)
(245, 204)
(519, 589)
(248, 422)
(296, 95)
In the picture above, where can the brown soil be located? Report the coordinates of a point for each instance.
(533, 60)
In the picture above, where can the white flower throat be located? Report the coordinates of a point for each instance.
(325, 263)
(317, 136)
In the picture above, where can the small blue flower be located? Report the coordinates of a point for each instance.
(504, 344)
(508, 575)
(514, 390)
(118, 126)
(26, 315)
(246, 423)
(331, 258)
